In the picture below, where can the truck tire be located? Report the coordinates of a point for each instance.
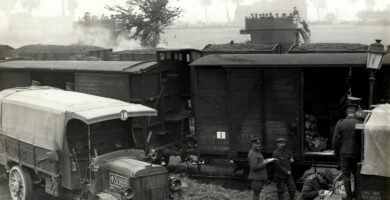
(20, 183)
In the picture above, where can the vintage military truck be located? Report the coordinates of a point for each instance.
(76, 145)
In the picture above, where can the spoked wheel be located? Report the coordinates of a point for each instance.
(20, 184)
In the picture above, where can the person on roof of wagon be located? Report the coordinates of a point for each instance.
(295, 12)
(316, 184)
(283, 175)
(346, 144)
(258, 171)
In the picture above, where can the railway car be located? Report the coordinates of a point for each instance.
(5, 51)
(237, 97)
(163, 86)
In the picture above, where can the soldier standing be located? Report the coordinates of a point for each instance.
(346, 144)
(283, 174)
(258, 171)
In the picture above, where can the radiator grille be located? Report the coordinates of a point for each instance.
(151, 187)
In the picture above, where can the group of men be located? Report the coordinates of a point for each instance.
(346, 146)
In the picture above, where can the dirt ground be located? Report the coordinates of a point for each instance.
(195, 189)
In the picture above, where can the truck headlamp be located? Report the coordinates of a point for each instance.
(174, 184)
(127, 194)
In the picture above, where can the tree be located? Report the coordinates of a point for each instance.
(145, 20)
(330, 17)
(29, 5)
(72, 5)
(370, 3)
(321, 6)
(206, 4)
(7, 6)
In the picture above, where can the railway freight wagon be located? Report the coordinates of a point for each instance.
(162, 85)
(237, 97)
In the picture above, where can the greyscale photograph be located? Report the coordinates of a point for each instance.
(194, 100)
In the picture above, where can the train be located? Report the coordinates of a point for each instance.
(212, 102)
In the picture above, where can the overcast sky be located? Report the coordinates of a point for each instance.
(193, 10)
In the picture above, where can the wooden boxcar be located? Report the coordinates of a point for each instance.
(237, 97)
(6, 51)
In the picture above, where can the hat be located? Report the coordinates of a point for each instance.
(328, 175)
(282, 139)
(352, 102)
(256, 140)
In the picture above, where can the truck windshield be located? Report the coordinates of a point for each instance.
(109, 136)
(106, 137)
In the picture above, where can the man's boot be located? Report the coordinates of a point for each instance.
(256, 195)
(292, 196)
(280, 195)
(348, 189)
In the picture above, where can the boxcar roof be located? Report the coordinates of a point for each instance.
(66, 49)
(329, 48)
(240, 47)
(106, 66)
(136, 51)
(386, 59)
(177, 49)
(284, 60)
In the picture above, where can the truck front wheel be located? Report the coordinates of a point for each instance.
(20, 184)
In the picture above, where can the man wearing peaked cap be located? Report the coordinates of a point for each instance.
(258, 171)
(353, 100)
(316, 184)
(282, 173)
(346, 144)
(256, 140)
(281, 140)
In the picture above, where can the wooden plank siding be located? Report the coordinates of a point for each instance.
(10, 79)
(254, 103)
(282, 106)
(246, 107)
(107, 85)
(210, 104)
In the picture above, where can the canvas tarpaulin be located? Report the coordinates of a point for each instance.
(32, 125)
(39, 115)
(376, 142)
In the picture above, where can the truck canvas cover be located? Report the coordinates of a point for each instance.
(376, 142)
(39, 115)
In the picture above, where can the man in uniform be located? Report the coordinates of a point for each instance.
(315, 185)
(258, 171)
(282, 173)
(346, 144)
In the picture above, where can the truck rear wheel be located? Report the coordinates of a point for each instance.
(20, 184)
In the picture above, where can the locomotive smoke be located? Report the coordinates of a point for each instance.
(20, 26)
